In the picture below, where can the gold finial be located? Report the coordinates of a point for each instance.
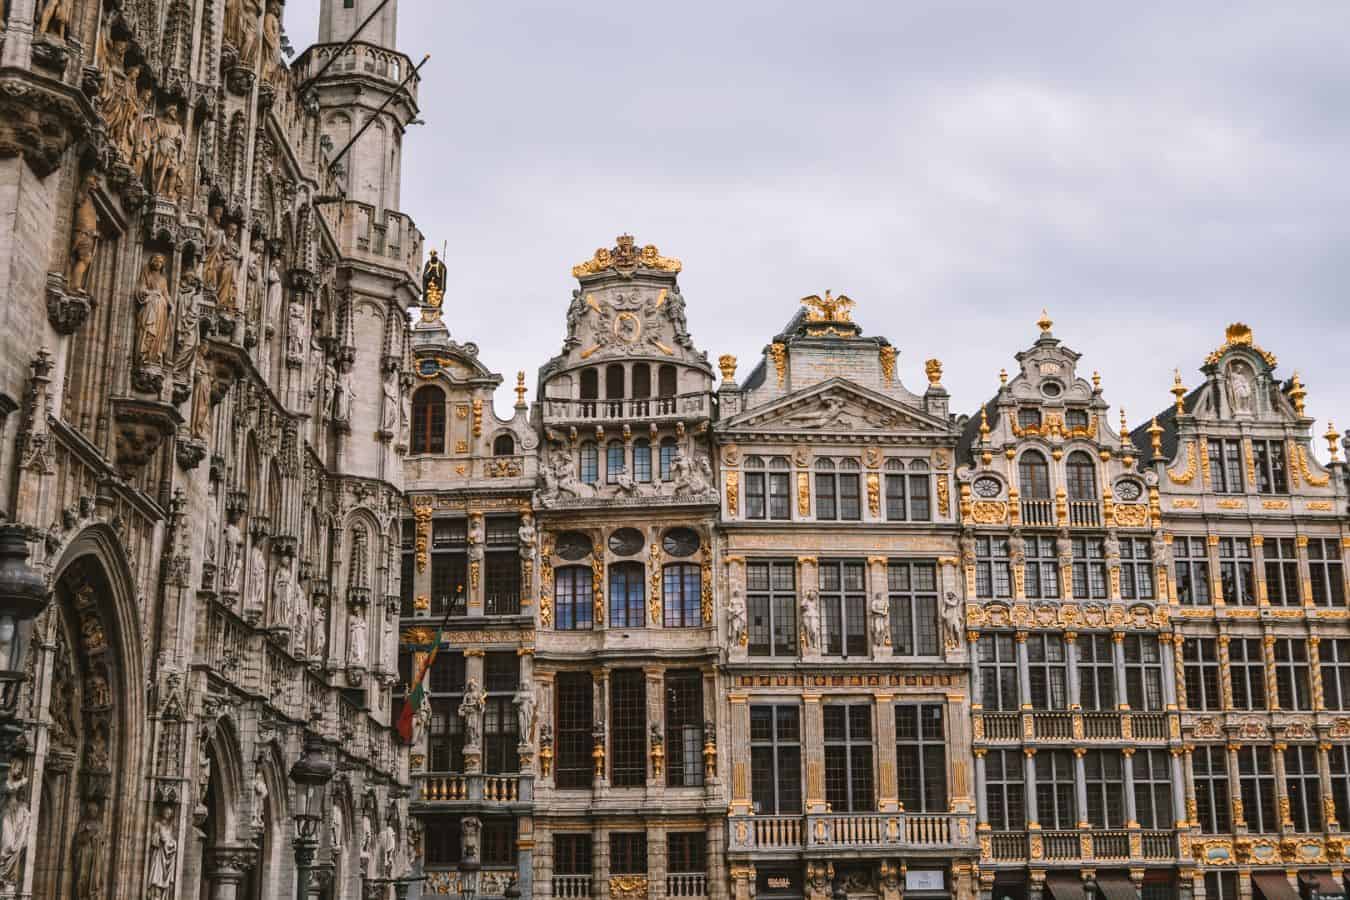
(933, 367)
(1179, 391)
(984, 424)
(520, 388)
(1238, 333)
(727, 363)
(1297, 393)
(1044, 322)
(1002, 376)
(1331, 436)
(1155, 436)
(1096, 381)
(626, 256)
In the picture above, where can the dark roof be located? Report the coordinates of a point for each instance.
(965, 452)
(1167, 420)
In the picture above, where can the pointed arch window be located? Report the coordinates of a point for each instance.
(428, 420)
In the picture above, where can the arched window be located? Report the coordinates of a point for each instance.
(504, 445)
(428, 420)
(614, 462)
(572, 591)
(642, 461)
(667, 457)
(642, 381)
(1081, 476)
(614, 382)
(627, 595)
(1033, 475)
(590, 384)
(590, 463)
(665, 382)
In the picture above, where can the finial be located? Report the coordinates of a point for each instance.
(1331, 436)
(1044, 322)
(1179, 391)
(727, 363)
(1003, 376)
(1297, 393)
(520, 388)
(1096, 380)
(1155, 436)
(984, 424)
(933, 368)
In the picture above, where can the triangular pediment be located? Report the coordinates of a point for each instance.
(837, 406)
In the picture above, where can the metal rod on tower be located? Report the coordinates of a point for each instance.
(376, 114)
(345, 44)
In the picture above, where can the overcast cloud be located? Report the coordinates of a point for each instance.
(1148, 172)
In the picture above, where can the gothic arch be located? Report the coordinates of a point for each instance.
(276, 817)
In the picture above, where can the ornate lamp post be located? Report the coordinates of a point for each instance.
(310, 773)
(23, 594)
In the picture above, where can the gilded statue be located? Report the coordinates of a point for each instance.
(168, 157)
(154, 313)
(433, 281)
(55, 18)
(84, 239)
(831, 309)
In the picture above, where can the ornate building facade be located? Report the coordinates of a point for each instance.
(203, 373)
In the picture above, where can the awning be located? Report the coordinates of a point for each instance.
(1065, 885)
(1274, 886)
(1323, 883)
(1116, 886)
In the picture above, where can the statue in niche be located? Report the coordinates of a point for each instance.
(367, 836)
(62, 696)
(248, 34)
(257, 580)
(168, 155)
(163, 856)
(84, 237)
(527, 536)
(128, 103)
(96, 753)
(189, 287)
(154, 313)
(233, 563)
(215, 237)
(55, 18)
(879, 611)
(226, 269)
(318, 639)
(114, 85)
(147, 137)
(199, 416)
(342, 399)
(736, 616)
(389, 414)
(273, 313)
(271, 41)
(524, 703)
(301, 607)
(89, 853)
(1244, 394)
(15, 824)
(336, 824)
(259, 796)
(356, 642)
(470, 827)
(476, 538)
(253, 282)
(327, 385)
(295, 331)
(388, 846)
(951, 619)
(471, 711)
(281, 596)
(811, 620)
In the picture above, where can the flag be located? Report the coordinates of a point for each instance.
(417, 692)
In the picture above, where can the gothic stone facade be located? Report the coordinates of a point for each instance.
(203, 366)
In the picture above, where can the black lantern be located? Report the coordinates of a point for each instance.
(311, 772)
(23, 594)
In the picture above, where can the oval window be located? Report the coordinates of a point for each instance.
(680, 542)
(573, 545)
(626, 542)
(987, 487)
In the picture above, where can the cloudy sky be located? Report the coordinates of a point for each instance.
(1148, 172)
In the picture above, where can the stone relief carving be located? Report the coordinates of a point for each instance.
(163, 856)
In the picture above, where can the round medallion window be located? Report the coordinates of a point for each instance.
(573, 545)
(680, 542)
(1052, 389)
(987, 487)
(626, 542)
(1129, 491)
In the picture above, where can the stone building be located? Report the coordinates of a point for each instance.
(203, 385)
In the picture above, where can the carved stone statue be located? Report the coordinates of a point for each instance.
(527, 536)
(199, 415)
(154, 313)
(356, 642)
(55, 18)
(342, 399)
(389, 413)
(951, 619)
(257, 580)
(271, 40)
(89, 854)
(301, 629)
(471, 711)
(811, 619)
(15, 825)
(688, 476)
(163, 856)
(338, 829)
(253, 286)
(295, 331)
(259, 797)
(84, 236)
(576, 311)
(147, 135)
(367, 835)
(524, 703)
(248, 35)
(470, 828)
(168, 154)
(1239, 377)
(281, 596)
(318, 637)
(476, 538)
(273, 312)
(225, 269)
(232, 564)
(736, 617)
(879, 612)
(1162, 551)
(388, 848)
(675, 310)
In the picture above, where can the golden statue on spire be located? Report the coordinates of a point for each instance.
(433, 288)
(831, 309)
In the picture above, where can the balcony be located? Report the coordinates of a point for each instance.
(477, 788)
(687, 884)
(654, 409)
(1115, 845)
(1085, 514)
(852, 831)
(571, 886)
(1038, 512)
(1065, 727)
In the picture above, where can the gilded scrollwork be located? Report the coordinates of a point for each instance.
(1188, 474)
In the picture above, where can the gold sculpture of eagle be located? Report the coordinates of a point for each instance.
(831, 309)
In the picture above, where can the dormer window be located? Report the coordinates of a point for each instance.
(428, 420)
(1028, 417)
(504, 445)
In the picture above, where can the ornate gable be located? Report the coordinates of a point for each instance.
(838, 406)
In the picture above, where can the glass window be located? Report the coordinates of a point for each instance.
(1247, 671)
(1293, 688)
(1271, 476)
(572, 738)
(1201, 660)
(1033, 474)
(1028, 417)
(913, 608)
(1192, 575)
(776, 760)
(1056, 805)
(1042, 568)
(1225, 466)
(590, 384)
(1081, 475)
(503, 445)
(1096, 673)
(1143, 673)
(428, 420)
(1256, 779)
(1335, 658)
(501, 733)
(826, 490)
(628, 728)
(642, 461)
(1105, 788)
(998, 671)
(1221, 886)
(850, 491)
(780, 505)
(848, 757)
(1235, 571)
(1282, 587)
(771, 607)
(628, 852)
(1304, 787)
(627, 595)
(755, 489)
(1209, 764)
(590, 463)
(993, 576)
(681, 593)
(1004, 790)
(572, 854)
(1340, 780)
(1327, 572)
(1089, 568)
(574, 597)
(843, 602)
(1048, 670)
(668, 450)
(444, 840)
(1136, 569)
(921, 757)
(687, 852)
(614, 462)
(684, 729)
(896, 507)
(1153, 789)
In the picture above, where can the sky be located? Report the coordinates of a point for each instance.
(1147, 172)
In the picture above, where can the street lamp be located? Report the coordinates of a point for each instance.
(23, 594)
(311, 772)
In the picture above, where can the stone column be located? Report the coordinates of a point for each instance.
(1127, 767)
(544, 717)
(1169, 682)
(1235, 789)
(656, 724)
(1023, 671)
(813, 749)
(1329, 822)
(976, 681)
(981, 801)
(713, 737)
(657, 861)
(1187, 785)
(887, 788)
(1281, 785)
(717, 884)
(1118, 658)
(1178, 790)
(473, 753)
(739, 749)
(600, 731)
(1304, 570)
(1212, 560)
(1272, 682)
(226, 868)
(1071, 657)
(474, 594)
(1080, 786)
(1259, 569)
(1225, 672)
(1029, 776)
(1315, 673)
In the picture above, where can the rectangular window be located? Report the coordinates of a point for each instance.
(501, 726)
(1201, 659)
(1042, 568)
(1192, 571)
(1089, 568)
(687, 852)
(1096, 673)
(501, 582)
(445, 735)
(1143, 673)
(681, 593)
(826, 507)
(1304, 787)
(850, 497)
(1209, 763)
(1271, 475)
(448, 576)
(776, 760)
(1335, 659)
(896, 510)
(1292, 683)
(1056, 804)
(1136, 569)
(1256, 779)
(1247, 671)
(1340, 780)
(1221, 886)
(843, 600)
(590, 463)
(1105, 788)
(574, 598)
(407, 586)
(443, 841)
(628, 852)
(1282, 582)
(684, 729)
(998, 671)
(1235, 571)
(921, 757)
(771, 607)
(497, 841)
(628, 728)
(1004, 790)
(572, 854)
(627, 595)
(914, 608)
(1225, 466)
(993, 577)
(780, 506)
(1153, 788)
(920, 503)
(667, 457)
(754, 495)
(573, 739)
(642, 462)
(1049, 672)
(848, 757)
(1327, 572)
